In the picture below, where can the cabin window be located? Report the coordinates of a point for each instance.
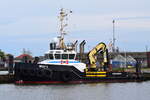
(71, 56)
(64, 56)
(51, 56)
(46, 56)
(58, 52)
(57, 56)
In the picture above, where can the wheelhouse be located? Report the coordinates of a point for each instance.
(60, 55)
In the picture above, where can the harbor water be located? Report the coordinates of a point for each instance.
(98, 91)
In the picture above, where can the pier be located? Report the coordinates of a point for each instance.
(6, 78)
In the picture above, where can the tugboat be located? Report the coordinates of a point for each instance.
(61, 65)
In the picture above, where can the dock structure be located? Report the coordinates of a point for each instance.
(6, 78)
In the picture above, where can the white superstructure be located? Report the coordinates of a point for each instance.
(62, 57)
(60, 53)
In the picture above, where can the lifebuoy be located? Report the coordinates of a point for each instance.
(64, 62)
(66, 76)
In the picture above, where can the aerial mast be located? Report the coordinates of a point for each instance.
(114, 39)
(63, 17)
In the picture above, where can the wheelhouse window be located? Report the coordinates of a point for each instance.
(51, 56)
(71, 56)
(57, 56)
(46, 56)
(64, 56)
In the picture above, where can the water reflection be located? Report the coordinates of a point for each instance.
(101, 91)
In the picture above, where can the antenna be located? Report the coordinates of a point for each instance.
(63, 23)
(114, 39)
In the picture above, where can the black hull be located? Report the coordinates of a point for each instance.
(49, 74)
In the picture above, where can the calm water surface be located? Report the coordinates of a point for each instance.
(100, 91)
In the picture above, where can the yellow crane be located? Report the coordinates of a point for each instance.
(101, 47)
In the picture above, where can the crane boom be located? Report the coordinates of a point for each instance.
(101, 47)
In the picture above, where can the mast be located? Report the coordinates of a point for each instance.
(114, 39)
(63, 17)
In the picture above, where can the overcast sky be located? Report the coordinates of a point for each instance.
(32, 24)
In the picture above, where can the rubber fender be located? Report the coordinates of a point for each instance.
(40, 73)
(18, 70)
(32, 72)
(66, 76)
(25, 72)
(47, 73)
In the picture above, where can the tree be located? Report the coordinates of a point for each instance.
(2, 54)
